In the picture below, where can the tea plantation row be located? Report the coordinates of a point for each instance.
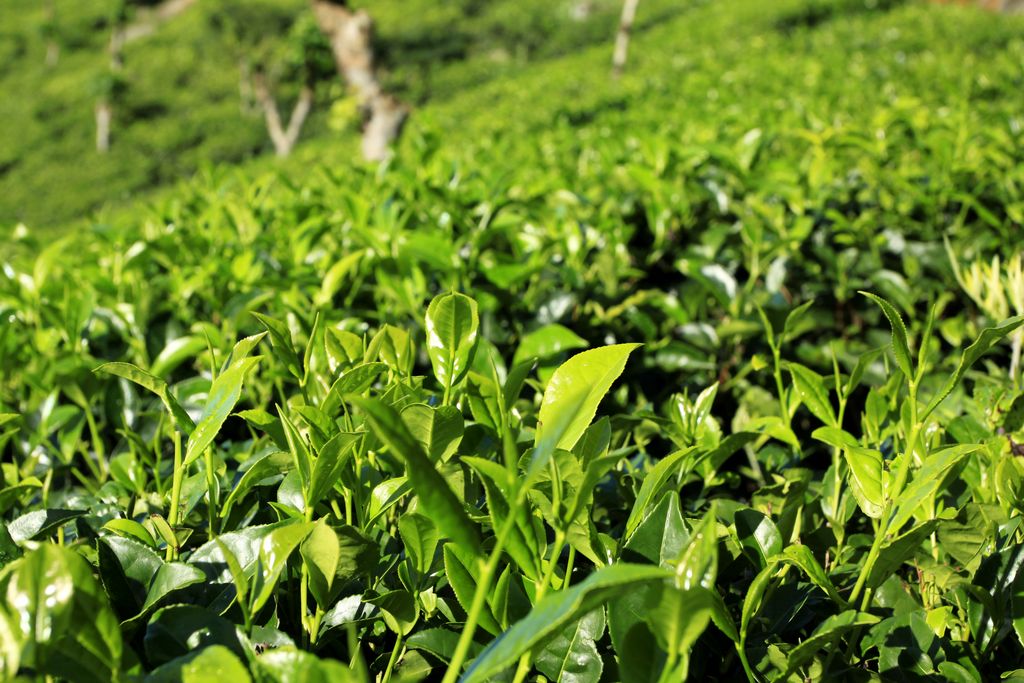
(709, 373)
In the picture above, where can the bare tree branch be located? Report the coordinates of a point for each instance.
(151, 20)
(284, 139)
(351, 37)
(622, 37)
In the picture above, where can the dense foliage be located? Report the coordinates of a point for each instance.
(710, 372)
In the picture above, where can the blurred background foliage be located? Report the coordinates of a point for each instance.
(183, 103)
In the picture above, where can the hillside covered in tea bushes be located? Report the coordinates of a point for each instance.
(188, 97)
(711, 372)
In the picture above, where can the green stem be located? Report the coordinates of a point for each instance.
(394, 658)
(314, 626)
(243, 605)
(480, 594)
(837, 457)
(508, 439)
(487, 574)
(178, 474)
(840, 532)
(45, 493)
(1015, 355)
(897, 488)
(783, 408)
(908, 455)
(304, 617)
(161, 484)
(741, 647)
(97, 443)
(211, 492)
(671, 672)
(95, 468)
(798, 524)
(85, 481)
(304, 606)
(568, 567)
(742, 652)
(525, 661)
(869, 564)
(545, 581)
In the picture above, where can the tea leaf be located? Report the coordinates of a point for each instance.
(866, 479)
(988, 338)
(555, 611)
(572, 397)
(900, 345)
(224, 394)
(451, 326)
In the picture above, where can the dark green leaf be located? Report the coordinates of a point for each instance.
(895, 551)
(546, 342)
(758, 534)
(652, 484)
(866, 479)
(274, 550)
(463, 581)
(271, 465)
(557, 610)
(926, 481)
(802, 557)
(39, 523)
(290, 665)
(178, 630)
(439, 430)
(329, 463)
(571, 655)
(281, 343)
(437, 498)
(827, 634)
(420, 537)
(155, 385)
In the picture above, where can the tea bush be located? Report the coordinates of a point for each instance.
(712, 373)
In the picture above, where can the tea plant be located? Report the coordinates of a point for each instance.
(371, 521)
(616, 397)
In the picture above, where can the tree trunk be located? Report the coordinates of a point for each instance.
(246, 92)
(151, 19)
(582, 10)
(104, 116)
(105, 103)
(52, 53)
(351, 37)
(622, 38)
(121, 35)
(52, 46)
(387, 117)
(116, 49)
(284, 139)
